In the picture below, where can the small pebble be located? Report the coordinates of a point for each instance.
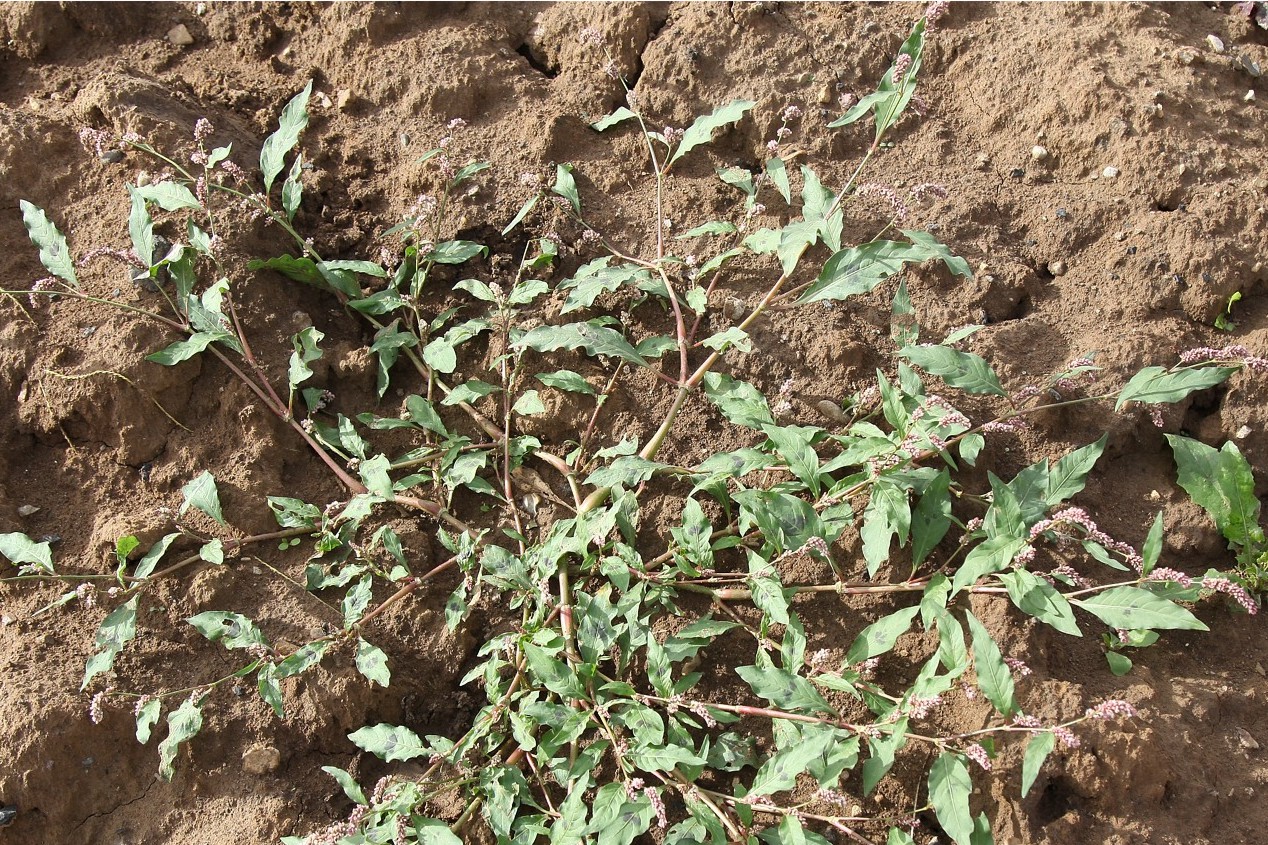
(1057, 268)
(112, 156)
(1120, 236)
(261, 759)
(27, 510)
(8, 814)
(1038, 153)
(1242, 434)
(983, 161)
(1249, 65)
(1259, 667)
(343, 97)
(736, 308)
(1215, 43)
(88, 331)
(1246, 740)
(1154, 495)
(1249, 96)
(1110, 172)
(1062, 214)
(1017, 173)
(180, 35)
(832, 411)
(825, 95)
(1188, 56)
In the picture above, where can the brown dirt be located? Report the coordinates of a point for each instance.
(1150, 257)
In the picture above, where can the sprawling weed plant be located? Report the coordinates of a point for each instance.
(598, 724)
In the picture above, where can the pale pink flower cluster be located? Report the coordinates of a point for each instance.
(1071, 517)
(1234, 353)
(1112, 708)
(977, 754)
(901, 65)
(1233, 591)
(888, 194)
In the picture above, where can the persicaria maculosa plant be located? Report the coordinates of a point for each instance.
(605, 718)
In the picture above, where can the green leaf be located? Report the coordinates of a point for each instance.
(732, 337)
(20, 549)
(233, 630)
(302, 660)
(1068, 476)
(664, 759)
(566, 186)
(469, 391)
(1222, 484)
(1119, 663)
(767, 590)
(962, 370)
(713, 227)
(116, 630)
(793, 443)
(779, 178)
(626, 471)
(293, 188)
(1155, 385)
(372, 663)
(597, 278)
(456, 252)
(201, 493)
(54, 254)
(990, 556)
(860, 269)
(357, 600)
(888, 513)
(949, 790)
(1131, 607)
(1152, 549)
(529, 404)
(293, 120)
(593, 338)
(141, 228)
(306, 351)
(552, 673)
(784, 689)
(348, 784)
(931, 518)
(621, 114)
(879, 637)
(213, 551)
(701, 131)
(147, 717)
(183, 724)
(1035, 596)
(528, 206)
(739, 401)
(566, 380)
(779, 773)
(993, 677)
(170, 196)
(1037, 751)
(183, 350)
(389, 742)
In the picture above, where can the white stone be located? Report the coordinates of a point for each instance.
(180, 35)
(1110, 172)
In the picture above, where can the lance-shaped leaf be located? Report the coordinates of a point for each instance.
(962, 370)
(949, 790)
(701, 131)
(293, 120)
(1155, 385)
(593, 338)
(1130, 608)
(183, 724)
(54, 254)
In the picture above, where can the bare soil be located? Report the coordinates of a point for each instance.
(1067, 259)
